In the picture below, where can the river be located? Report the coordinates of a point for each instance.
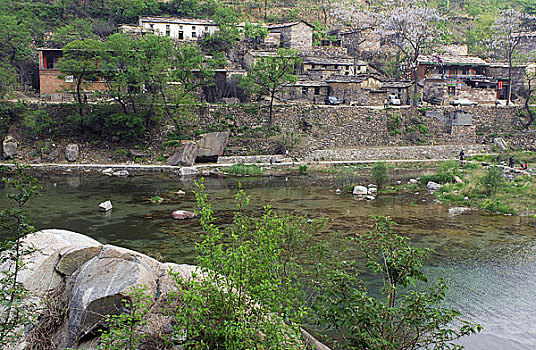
(488, 261)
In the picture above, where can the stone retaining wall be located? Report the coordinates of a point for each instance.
(399, 153)
(322, 127)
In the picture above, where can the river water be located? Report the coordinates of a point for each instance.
(488, 261)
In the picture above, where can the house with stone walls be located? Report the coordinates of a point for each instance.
(295, 35)
(362, 90)
(53, 85)
(322, 68)
(306, 90)
(445, 78)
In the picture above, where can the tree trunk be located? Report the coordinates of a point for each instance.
(509, 88)
(530, 112)
(79, 94)
(271, 107)
(415, 87)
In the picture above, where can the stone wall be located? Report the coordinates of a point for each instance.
(350, 127)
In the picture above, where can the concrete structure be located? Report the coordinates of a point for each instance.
(306, 89)
(50, 84)
(295, 35)
(181, 29)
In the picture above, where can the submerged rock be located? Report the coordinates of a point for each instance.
(188, 171)
(183, 215)
(105, 206)
(121, 173)
(360, 191)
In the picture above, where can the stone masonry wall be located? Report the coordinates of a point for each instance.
(349, 127)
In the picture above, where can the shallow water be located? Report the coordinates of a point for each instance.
(487, 260)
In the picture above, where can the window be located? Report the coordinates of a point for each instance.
(51, 60)
(168, 30)
(193, 27)
(452, 90)
(194, 34)
(313, 66)
(151, 26)
(181, 35)
(305, 90)
(317, 90)
(206, 29)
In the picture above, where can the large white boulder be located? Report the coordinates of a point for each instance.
(360, 191)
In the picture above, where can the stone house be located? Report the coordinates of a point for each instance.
(252, 56)
(355, 89)
(325, 67)
(401, 89)
(445, 77)
(306, 90)
(50, 84)
(499, 72)
(295, 35)
(180, 29)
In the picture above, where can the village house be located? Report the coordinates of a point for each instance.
(307, 90)
(446, 78)
(50, 84)
(180, 29)
(499, 72)
(358, 90)
(403, 90)
(295, 35)
(321, 68)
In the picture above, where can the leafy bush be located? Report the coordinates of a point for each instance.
(380, 175)
(493, 179)
(39, 122)
(128, 127)
(244, 169)
(496, 206)
(403, 317)
(440, 178)
(252, 261)
(422, 129)
(302, 169)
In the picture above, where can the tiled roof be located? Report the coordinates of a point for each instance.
(203, 22)
(452, 60)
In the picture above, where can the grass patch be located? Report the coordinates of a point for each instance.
(244, 169)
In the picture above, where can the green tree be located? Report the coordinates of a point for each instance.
(404, 317)
(8, 79)
(81, 60)
(493, 179)
(272, 73)
(380, 174)
(78, 29)
(15, 225)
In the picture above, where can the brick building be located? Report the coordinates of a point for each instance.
(50, 83)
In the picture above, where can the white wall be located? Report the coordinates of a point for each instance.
(176, 28)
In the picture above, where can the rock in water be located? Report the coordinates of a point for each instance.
(105, 206)
(10, 147)
(183, 215)
(432, 186)
(72, 152)
(360, 191)
(211, 146)
(108, 171)
(184, 156)
(413, 181)
(121, 173)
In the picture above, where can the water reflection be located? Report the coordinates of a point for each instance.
(488, 260)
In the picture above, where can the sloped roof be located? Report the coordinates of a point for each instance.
(290, 24)
(349, 78)
(452, 60)
(397, 84)
(331, 61)
(176, 20)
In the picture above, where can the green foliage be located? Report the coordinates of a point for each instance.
(394, 124)
(447, 172)
(255, 31)
(496, 206)
(422, 129)
(302, 169)
(380, 175)
(78, 29)
(157, 199)
(404, 317)
(244, 169)
(123, 333)
(493, 179)
(15, 225)
(127, 127)
(38, 121)
(255, 260)
(8, 79)
(270, 74)
(121, 153)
